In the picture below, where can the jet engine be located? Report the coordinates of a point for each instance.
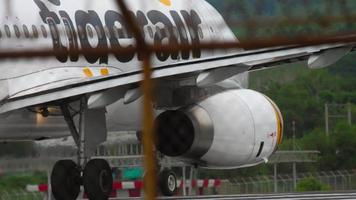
(232, 129)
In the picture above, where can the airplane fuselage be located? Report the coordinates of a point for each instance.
(72, 25)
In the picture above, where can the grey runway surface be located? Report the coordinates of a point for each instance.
(292, 196)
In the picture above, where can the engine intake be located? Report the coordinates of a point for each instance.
(188, 132)
(232, 129)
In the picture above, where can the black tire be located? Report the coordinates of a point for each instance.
(65, 180)
(168, 183)
(97, 179)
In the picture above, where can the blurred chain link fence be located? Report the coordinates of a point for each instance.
(122, 153)
(341, 180)
(274, 23)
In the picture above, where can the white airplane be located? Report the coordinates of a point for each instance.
(204, 114)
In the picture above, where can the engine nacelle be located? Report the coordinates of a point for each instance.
(232, 129)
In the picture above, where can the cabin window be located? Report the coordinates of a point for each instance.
(116, 32)
(200, 32)
(90, 31)
(25, 31)
(107, 33)
(7, 31)
(44, 31)
(17, 31)
(124, 32)
(99, 32)
(68, 30)
(69, 33)
(167, 32)
(175, 32)
(53, 29)
(150, 31)
(158, 32)
(184, 33)
(192, 32)
(81, 32)
(34, 31)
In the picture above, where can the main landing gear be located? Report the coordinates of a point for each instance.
(96, 178)
(94, 175)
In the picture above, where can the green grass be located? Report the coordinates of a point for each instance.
(18, 181)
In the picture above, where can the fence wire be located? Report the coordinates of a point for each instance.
(250, 26)
(341, 180)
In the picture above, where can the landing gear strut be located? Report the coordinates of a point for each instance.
(95, 175)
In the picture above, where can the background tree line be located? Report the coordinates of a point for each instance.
(301, 93)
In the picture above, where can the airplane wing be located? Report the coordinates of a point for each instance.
(318, 56)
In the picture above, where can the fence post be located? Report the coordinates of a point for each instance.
(49, 192)
(349, 114)
(275, 177)
(335, 181)
(184, 181)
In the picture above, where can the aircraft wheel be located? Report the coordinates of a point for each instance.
(168, 182)
(65, 180)
(97, 179)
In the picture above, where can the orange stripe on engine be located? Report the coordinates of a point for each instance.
(279, 121)
(280, 127)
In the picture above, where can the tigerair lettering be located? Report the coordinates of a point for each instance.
(184, 28)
